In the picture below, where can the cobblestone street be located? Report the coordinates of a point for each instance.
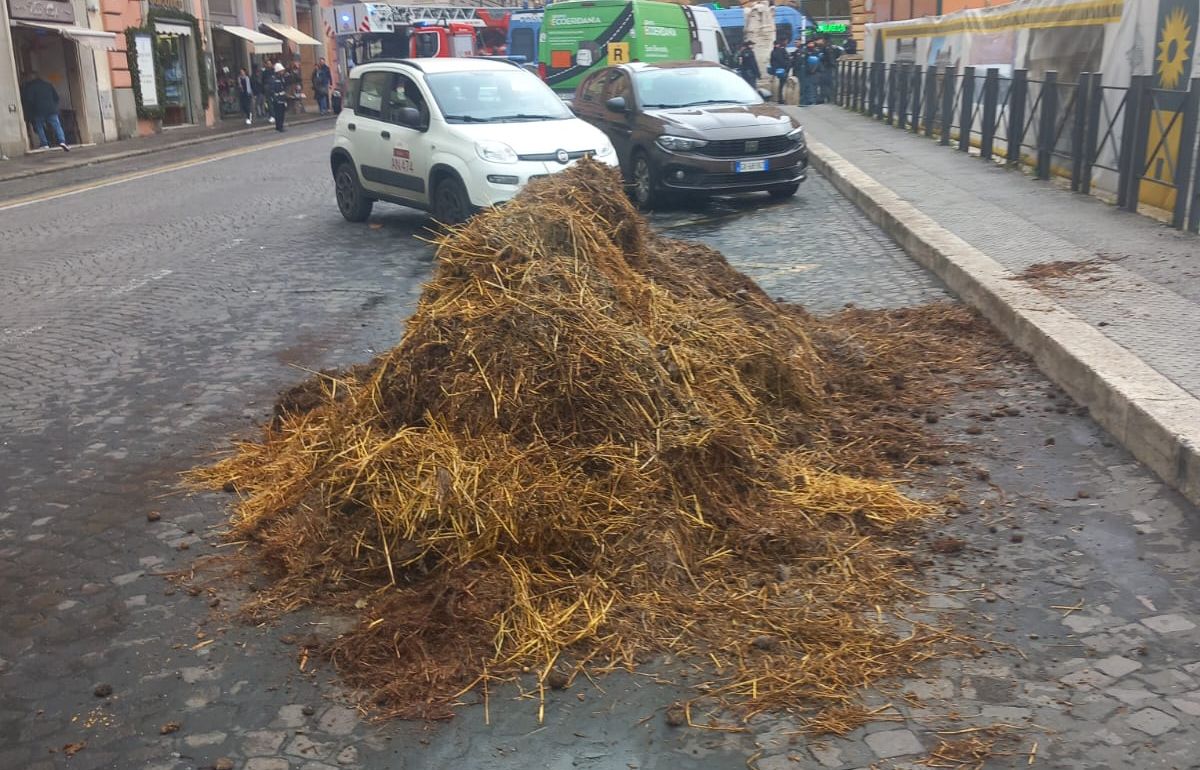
(136, 340)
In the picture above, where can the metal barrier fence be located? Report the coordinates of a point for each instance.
(1143, 139)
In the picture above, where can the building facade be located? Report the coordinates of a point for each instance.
(863, 12)
(124, 68)
(64, 43)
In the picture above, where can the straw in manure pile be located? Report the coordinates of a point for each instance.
(592, 444)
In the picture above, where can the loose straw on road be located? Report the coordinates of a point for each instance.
(595, 444)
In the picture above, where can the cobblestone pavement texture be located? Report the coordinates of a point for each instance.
(1145, 295)
(137, 338)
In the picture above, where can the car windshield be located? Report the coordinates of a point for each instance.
(692, 86)
(495, 96)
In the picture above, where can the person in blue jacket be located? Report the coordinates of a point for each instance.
(40, 101)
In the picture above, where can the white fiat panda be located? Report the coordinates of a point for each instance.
(450, 136)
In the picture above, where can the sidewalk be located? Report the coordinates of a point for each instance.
(55, 160)
(1118, 326)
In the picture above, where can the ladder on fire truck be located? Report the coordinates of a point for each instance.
(382, 17)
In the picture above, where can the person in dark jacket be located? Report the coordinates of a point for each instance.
(780, 64)
(322, 82)
(245, 91)
(40, 101)
(828, 84)
(256, 83)
(748, 64)
(277, 94)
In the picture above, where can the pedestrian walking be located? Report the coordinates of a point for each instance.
(40, 101)
(322, 83)
(277, 94)
(748, 64)
(780, 64)
(246, 95)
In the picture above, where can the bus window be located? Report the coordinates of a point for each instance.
(524, 43)
(734, 36)
(785, 33)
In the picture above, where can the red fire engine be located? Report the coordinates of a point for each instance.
(431, 40)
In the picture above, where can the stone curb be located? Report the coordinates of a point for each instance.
(1151, 416)
(214, 137)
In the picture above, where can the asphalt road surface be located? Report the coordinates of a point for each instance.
(144, 320)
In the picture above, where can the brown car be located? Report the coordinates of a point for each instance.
(693, 127)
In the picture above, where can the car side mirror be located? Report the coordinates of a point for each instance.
(765, 94)
(410, 117)
(617, 104)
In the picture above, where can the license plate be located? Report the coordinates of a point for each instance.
(742, 166)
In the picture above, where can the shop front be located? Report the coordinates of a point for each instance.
(294, 42)
(49, 45)
(176, 55)
(236, 48)
(170, 66)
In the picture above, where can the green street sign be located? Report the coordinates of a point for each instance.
(832, 28)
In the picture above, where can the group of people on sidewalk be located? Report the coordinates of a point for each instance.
(274, 89)
(268, 93)
(813, 64)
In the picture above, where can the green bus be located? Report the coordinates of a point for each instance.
(578, 36)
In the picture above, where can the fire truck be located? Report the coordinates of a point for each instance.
(367, 31)
(433, 39)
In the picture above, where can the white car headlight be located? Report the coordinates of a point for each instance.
(796, 135)
(680, 143)
(496, 152)
(604, 150)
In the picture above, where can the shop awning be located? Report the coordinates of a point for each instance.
(168, 29)
(291, 33)
(262, 43)
(92, 38)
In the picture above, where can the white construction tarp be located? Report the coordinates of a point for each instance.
(291, 33)
(1116, 38)
(92, 38)
(261, 43)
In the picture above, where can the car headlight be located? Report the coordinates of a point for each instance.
(796, 135)
(496, 152)
(680, 143)
(604, 150)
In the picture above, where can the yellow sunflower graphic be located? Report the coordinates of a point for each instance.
(1173, 48)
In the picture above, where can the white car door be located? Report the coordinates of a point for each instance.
(371, 134)
(407, 144)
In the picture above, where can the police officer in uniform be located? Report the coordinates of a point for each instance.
(277, 94)
(748, 64)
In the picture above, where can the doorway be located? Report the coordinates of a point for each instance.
(177, 97)
(56, 60)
